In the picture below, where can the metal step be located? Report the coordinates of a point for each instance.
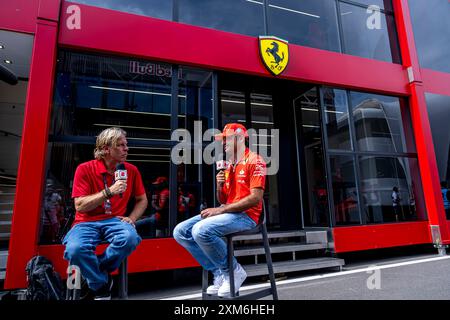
(279, 248)
(2, 275)
(5, 223)
(6, 211)
(3, 259)
(292, 266)
(272, 235)
(5, 235)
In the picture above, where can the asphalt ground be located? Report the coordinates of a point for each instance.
(374, 276)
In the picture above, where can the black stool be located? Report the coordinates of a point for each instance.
(74, 294)
(260, 228)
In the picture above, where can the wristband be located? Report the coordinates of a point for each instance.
(108, 193)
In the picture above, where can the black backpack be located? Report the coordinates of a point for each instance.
(43, 282)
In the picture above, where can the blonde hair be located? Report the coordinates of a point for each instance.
(107, 138)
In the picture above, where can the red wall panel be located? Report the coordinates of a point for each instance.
(359, 238)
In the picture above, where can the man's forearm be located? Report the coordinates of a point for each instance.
(89, 203)
(243, 204)
(221, 197)
(139, 209)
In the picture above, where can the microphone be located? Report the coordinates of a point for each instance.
(120, 173)
(222, 165)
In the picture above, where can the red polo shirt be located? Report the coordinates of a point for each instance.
(88, 180)
(247, 174)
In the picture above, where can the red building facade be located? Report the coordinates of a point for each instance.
(112, 33)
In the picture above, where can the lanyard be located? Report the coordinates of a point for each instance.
(107, 203)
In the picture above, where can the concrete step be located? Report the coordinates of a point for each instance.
(272, 235)
(292, 266)
(279, 248)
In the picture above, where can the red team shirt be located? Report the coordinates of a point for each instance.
(247, 174)
(88, 180)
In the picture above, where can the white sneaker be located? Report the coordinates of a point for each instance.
(239, 277)
(217, 283)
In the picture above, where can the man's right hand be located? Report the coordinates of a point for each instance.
(220, 178)
(120, 186)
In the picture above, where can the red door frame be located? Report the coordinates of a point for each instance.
(172, 42)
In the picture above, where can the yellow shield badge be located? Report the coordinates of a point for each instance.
(274, 53)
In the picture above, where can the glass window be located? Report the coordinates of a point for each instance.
(431, 24)
(337, 118)
(382, 4)
(233, 106)
(194, 179)
(96, 92)
(382, 123)
(238, 16)
(311, 23)
(439, 114)
(345, 196)
(365, 38)
(311, 157)
(389, 188)
(151, 8)
(16, 47)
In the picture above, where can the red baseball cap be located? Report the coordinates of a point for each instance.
(160, 180)
(232, 129)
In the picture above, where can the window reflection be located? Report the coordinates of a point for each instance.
(379, 123)
(431, 24)
(151, 8)
(337, 119)
(363, 37)
(194, 179)
(95, 92)
(312, 167)
(388, 189)
(311, 23)
(346, 210)
(238, 16)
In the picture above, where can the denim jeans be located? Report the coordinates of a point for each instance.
(84, 237)
(203, 238)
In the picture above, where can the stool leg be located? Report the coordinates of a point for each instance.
(230, 250)
(205, 283)
(123, 280)
(269, 262)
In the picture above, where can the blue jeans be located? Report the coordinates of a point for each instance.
(203, 238)
(84, 237)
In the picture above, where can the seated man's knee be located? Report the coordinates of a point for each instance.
(74, 249)
(201, 233)
(127, 239)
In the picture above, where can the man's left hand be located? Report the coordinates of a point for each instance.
(127, 220)
(209, 212)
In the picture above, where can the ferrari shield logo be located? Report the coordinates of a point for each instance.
(274, 53)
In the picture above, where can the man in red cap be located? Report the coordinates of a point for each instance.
(240, 190)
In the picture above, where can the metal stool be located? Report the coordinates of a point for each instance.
(260, 228)
(74, 294)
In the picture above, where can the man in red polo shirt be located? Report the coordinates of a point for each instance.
(240, 190)
(101, 204)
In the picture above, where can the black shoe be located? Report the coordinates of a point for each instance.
(104, 293)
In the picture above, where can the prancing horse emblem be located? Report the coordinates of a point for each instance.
(274, 53)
